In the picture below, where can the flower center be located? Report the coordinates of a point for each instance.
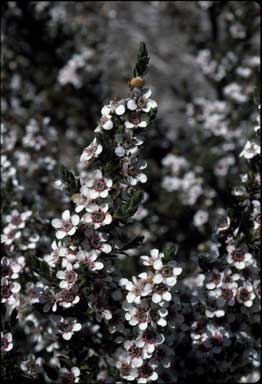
(70, 276)
(99, 185)
(67, 226)
(218, 340)
(16, 220)
(6, 270)
(98, 216)
(4, 343)
(6, 292)
(244, 294)
(227, 294)
(238, 255)
(166, 272)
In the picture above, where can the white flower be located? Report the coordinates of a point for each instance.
(213, 279)
(250, 150)
(106, 122)
(127, 144)
(132, 170)
(71, 376)
(217, 338)
(123, 363)
(81, 201)
(227, 294)
(89, 259)
(137, 355)
(9, 289)
(90, 152)
(67, 226)
(9, 268)
(256, 214)
(18, 219)
(135, 120)
(114, 107)
(68, 277)
(6, 342)
(144, 103)
(97, 241)
(10, 234)
(238, 257)
(149, 340)
(97, 215)
(246, 295)
(154, 259)
(68, 327)
(97, 185)
(138, 316)
(68, 297)
(200, 218)
(32, 366)
(161, 293)
(58, 252)
(166, 273)
(137, 288)
(146, 374)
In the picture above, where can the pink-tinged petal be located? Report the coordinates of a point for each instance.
(129, 125)
(167, 296)
(66, 215)
(75, 371)
(240, 265)
(108, 125)
(99, 265)
(9, 347)
(76, 300)
(72, 231)
(106, 248)
(106, 110)
(154, 253)
(143, 326)
(133, 322)
(148, 93)
(137, 362)
(75, 219)
(157, 279)
(157, 265)
(99, 149)
(130, 297)
(171, 281)
(177, 271)
(108, 219)
(60, 275)
(142, 177)
(120, 151)
(60, 234)
(156, 298)
(120, 110)
(104, 194)
(56, 223)
(77, 327)
(16, 287)
(67, 335)
(87, 218)
(131, 105)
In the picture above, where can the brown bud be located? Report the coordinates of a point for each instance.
(136, 82)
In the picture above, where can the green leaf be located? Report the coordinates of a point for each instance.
(141, 67)
(130, 207)
(71, 182)
(169, 251)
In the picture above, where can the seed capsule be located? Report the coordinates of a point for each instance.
(136, 82)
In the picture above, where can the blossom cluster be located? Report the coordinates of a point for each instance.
(79, 302)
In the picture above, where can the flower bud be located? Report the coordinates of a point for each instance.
(136, 82)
